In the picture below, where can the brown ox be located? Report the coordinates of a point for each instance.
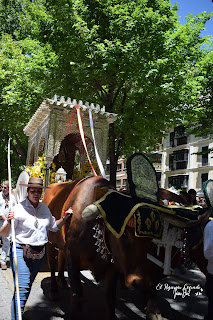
(128, 252)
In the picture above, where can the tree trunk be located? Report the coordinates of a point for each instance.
(22, 151)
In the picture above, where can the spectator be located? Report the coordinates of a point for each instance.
(4, 210)
(203, 203)
(5, 225)
(192, 197)
(184, 195)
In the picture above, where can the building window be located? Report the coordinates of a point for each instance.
(178, 159)
(181, 141)
(119, 166)
(205, 156)
(179, 182)
(118, 183)
(204, 177)
(181, 155)
(172, 139)
(171, 162)
(107, 168)
(124, 182)
(180, 132)
(181, 165)
(158, 174)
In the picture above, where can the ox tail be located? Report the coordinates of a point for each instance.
(133, 281)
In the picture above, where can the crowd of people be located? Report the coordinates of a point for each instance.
(190, 198)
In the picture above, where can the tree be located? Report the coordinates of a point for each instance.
(201, 121)
(25, 67)
(131, 56)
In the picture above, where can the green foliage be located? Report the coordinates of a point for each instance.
(202, 111)
(25, 67)
(131, 56)
(25, 70)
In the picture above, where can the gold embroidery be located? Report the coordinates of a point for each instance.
(139, 221)
(152, 215)
(148, 223)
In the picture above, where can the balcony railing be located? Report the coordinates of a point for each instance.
(203, 164)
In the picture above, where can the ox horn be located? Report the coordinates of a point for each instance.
(90, 212)
(177, 222)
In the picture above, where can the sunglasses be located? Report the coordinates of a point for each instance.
(4, 187)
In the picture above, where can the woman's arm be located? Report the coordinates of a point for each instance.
(60, 222)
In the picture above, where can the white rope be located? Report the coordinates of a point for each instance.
(13, 235)
(81, 130)
(96, 151)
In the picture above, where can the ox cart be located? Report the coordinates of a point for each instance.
(113, 234)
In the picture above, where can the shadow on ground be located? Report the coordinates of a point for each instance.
(128, 305)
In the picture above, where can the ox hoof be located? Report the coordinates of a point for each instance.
(53, 295)
(152, 316)
(61, 282)
(76, 303)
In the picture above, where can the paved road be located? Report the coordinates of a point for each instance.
(175, 299)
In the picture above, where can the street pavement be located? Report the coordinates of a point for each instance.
(180, 297)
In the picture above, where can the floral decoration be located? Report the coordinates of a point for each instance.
(38, 169)
(87, 170)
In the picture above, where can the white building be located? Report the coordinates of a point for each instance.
(177, 161)
(182, 165)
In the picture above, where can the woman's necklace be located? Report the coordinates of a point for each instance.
(33, 210)
(36, 222)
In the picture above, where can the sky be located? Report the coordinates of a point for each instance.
(195, 7)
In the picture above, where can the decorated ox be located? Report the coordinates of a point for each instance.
(90, 241)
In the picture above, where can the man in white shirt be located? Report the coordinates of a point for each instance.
(208, 253)
(4, 210)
